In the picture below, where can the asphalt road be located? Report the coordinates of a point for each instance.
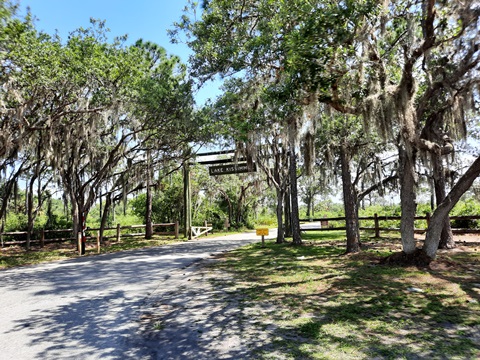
(89, 308)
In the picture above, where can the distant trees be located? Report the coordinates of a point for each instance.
(88, 114)
(407, 69)
(345, 81)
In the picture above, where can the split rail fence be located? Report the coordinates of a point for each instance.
(325, 224)
(41, 237)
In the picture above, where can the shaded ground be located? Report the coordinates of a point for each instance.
(312, 303)
(204, 319)
(93, 307)
(300, 303)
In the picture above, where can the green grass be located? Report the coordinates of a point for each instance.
(335, 306)
(17, 256)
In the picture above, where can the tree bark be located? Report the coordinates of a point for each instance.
(187, 197)
(148, 213)
(295, 218)
(76, 220)
(280, 232)
(287, 213)
(308, 203)
(432, 238)
(9, 187)
(350, 204)
(407, 199)
(446, 238)
(104, 215)
(297, 239)
(148, 205)
(29, 203)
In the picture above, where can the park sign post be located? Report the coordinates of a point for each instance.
(235, 168)
(262, 232)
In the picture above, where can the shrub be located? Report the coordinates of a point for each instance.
(467, 207)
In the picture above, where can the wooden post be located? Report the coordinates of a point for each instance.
(187, 201)
(1, 239)
(79, 237)
(176, 229)
(42, 238)
(263, 241)
(118, 232)
(98, 242)
(377, 227)
(428, 219)
(206, 225)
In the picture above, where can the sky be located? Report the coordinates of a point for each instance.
(146, 19)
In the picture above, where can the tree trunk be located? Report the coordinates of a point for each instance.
(280, 232)
(407, 199)
(187, 201)
(7, 191)
(31, 214)
(79, 214)
(101, 206)
(287, 213)
(9, 187)
(308, 203)
(297, 239)
(239, 212)
(432, 238)
(148, 213)
(446, 238)
(76, 221)
(148, 205)
(29, 206)
(350, 204)
(104, 215)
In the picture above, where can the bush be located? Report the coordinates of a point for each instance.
(469, 207)
(266, 220)
(15, 222)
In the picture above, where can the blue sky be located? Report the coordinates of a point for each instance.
(146, 19)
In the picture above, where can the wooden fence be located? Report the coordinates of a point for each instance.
(40, 236)
(325, 224)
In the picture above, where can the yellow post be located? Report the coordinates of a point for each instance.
(262, 232)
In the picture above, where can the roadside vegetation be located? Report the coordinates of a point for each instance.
(327, 305)
(14, 256)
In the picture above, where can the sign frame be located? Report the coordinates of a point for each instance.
(235, 168)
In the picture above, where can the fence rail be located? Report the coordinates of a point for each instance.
(324, 224)
(40, 235)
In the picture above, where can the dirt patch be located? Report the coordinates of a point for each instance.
(417, 258)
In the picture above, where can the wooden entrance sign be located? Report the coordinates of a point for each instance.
(237, 168)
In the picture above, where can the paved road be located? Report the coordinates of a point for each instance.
(311, 225)
(88, 308)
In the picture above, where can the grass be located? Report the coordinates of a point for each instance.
(15, 256)
(334, 306)
(327, 305)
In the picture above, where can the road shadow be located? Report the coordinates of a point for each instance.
(200, 319)
(91, 307)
